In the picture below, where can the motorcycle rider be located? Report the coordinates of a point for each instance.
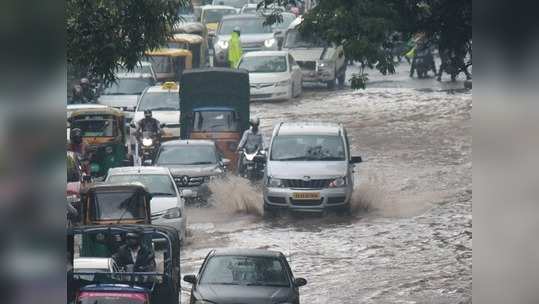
(423, 49)
(148, 123)
(251, 140)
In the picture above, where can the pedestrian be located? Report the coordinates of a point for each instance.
(234, 48)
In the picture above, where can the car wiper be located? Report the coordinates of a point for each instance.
(265, 284)
(329, 158)
(162, 194)
(201, 163)
(165, 109)
(225, 283)
(292, 158)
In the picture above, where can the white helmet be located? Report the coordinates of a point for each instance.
(254, 121)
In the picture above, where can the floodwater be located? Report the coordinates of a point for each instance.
(409, 239)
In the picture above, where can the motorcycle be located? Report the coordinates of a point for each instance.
(149, 145)
(424, 61)
(254, 163)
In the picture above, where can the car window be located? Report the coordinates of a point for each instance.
(187, 155)
(307, 148)
(160, 101)
(157, 184)
(264, 64)
(117, 205)
(95, 126)
(246, 25)
(245, 270)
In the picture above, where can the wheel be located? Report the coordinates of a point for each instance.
(331, 84)
(342, 79)
(270, 212)
(292, 89)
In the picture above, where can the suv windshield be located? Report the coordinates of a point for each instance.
(246, 25)
(245, 270)
(115, 205)
(187, 155)
(128, 86)
(215, 15)
(215, 121)
(157, 184)
(264, 64)
(307, 148)
(233, 3)
(294, 39)
(160, 101)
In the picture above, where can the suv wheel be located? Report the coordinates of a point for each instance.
(342, 79)
(331, 84)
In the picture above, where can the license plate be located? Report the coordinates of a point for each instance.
(306, 195)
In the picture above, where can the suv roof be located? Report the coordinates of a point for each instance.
(309, 128)
(138, 170)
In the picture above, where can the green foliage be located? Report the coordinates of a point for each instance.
(103, 33)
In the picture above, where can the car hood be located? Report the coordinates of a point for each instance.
(194, 170)
(119, 101)
(232, 294)
(313, 54)
(166, 117)
(249, 38)
(162, 203)
(267, 77)
(312, 169)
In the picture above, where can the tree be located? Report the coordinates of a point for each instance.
(102, 34)
(364, 27)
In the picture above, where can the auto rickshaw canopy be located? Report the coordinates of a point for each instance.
(187, 38)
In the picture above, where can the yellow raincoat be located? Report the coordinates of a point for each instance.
(234, 50)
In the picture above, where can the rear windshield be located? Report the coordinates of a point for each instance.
(115, 205)
(187, 155)
(215, 121)
(157, 184)
(95, 126)
(246, 25)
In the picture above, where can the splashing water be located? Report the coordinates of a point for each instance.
(236, 195)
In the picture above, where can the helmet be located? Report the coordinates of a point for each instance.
(254, 121)
(237, 29)
(147, 113)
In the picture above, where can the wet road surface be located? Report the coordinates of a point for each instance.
(409, 239)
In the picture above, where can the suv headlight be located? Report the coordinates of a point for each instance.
(338, 182)
(325, 65)
(173, 213)
(223, 44)
(269, 42)
(274, 182)
(283, 83)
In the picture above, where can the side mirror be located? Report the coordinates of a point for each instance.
(298, 282)
(356, 159)
(278, 32)
(190, 278)
(187, 193)
(226, 162)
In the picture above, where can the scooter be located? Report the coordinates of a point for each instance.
(254, 164)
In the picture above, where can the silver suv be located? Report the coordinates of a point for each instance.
(309, 168)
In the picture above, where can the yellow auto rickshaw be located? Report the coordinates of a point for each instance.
(193, 43)
(168, 64)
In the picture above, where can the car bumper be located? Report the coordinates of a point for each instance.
(329, 198)
(270, 93)
(201, 192)
(317, 76)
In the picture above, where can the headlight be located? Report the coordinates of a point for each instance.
(222, 44)
(147, 142)
(325, 65)
(269, 42)
(338, 182)
(173, 213)
(283, 83)
(109, 150)
(274, 182)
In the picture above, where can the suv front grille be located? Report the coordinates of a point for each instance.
(303, 184)
(186, 181)
(307, 65)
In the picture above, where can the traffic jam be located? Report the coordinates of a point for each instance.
(200, 144)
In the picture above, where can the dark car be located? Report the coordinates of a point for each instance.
(252, 276)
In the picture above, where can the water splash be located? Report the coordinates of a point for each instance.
(236, 195)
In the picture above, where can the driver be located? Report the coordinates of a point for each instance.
(250, 141)
(148, 123)
(135, 255)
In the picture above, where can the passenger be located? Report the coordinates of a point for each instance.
(251, 140)
(134, 256)
(234, 48)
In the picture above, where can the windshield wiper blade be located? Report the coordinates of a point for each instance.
(165, 109)
(292, 158)
(162, 194)
(226, 283)
(201, 163)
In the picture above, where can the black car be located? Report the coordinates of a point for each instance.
(244, 276)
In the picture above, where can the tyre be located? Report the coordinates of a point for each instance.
(345, 210)
(342, 79)
(331, 84)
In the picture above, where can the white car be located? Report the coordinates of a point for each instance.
(167, 205)
(93, 265)
(164, 101)
(273, 75)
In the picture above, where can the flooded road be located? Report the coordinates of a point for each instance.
(409, 239)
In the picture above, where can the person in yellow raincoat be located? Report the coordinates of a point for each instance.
(234, 48)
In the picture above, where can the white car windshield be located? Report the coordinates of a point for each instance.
(128, 86)
(264, 64)
(187, 155)
(157, 184)
(246, 25)
(307, 148)
(160, 101)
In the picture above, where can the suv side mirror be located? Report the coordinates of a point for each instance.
(300, 282)
(190, 278)
(356, 159)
